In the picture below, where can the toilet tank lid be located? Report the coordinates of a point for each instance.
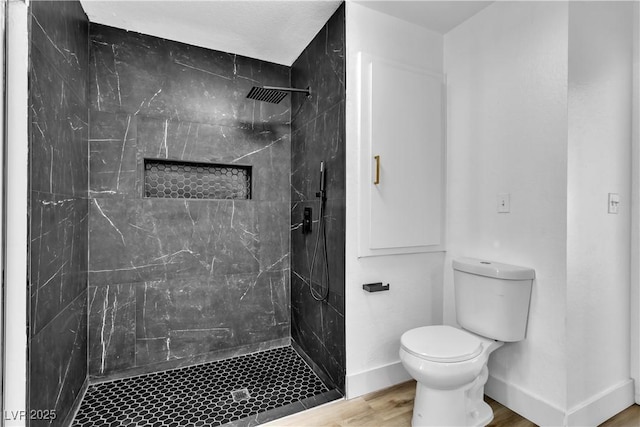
(493, 269)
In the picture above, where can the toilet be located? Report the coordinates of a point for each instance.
(450, 363)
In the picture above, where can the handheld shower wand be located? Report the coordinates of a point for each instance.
(322, 194)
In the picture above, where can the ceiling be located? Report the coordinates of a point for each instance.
(438, 16)
(271, 30)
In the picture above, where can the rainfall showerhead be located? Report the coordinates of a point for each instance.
(273, 94)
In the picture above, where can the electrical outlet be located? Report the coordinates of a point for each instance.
(614, 203)
(504, 203)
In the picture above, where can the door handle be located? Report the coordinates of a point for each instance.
(376, 180)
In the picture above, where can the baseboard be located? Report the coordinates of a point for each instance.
(591, 412)
(530, 406)
(375, 379)
(602, 406)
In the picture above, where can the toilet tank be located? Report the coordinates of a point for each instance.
(492, 299)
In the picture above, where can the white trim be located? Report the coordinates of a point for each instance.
(635, 212)
(530, 406)
(17, 194)
(591, 412)
(602, 406)
(3, 37)
(375, 379)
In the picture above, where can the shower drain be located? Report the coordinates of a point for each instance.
(240, 395)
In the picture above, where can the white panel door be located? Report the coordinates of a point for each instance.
(401, 136)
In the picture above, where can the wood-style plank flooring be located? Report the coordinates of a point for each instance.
(394, 406)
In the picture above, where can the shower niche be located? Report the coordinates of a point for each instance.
(192, 180)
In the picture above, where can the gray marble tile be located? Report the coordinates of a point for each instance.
(319, 329)
(180, 310)
(326, 380)
(58, 254)
(136, 73)
(273, 234)
(303, 245)
(334, 155)
(118, 82)
(112, 325)
(184, 317)
(267, 151)
(154, 98)
(319, 140)
(300, 187)
(142, 240)
(58, 132)
(335, 217)
(60, 32)
(58, 217)
(58, 365)
(318, 134)
(321, 66)
(114, 156)
(192, 360)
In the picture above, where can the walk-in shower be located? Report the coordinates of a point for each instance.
(163, 257)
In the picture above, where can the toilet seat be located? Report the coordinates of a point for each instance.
(442, 343)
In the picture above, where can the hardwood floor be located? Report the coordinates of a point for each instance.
(628, 417)
(393, 407)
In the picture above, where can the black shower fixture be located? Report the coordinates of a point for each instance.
(273, 94)
(322, 229)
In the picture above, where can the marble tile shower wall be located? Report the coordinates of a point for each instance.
(58, 203)
(318, 134)
(178, 281)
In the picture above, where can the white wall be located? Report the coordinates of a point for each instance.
(540, 107)
(598, 243)
(506, 70)
(375, 321)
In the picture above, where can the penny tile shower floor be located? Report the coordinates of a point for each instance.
(211, 394)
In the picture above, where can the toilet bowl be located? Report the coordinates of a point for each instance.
(450, 367)
(448, 363)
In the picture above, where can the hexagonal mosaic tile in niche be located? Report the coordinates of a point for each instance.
(186, 180)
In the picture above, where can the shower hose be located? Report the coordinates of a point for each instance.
(321, 230)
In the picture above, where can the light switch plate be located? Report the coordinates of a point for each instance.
(504, 202)
(614, 203)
